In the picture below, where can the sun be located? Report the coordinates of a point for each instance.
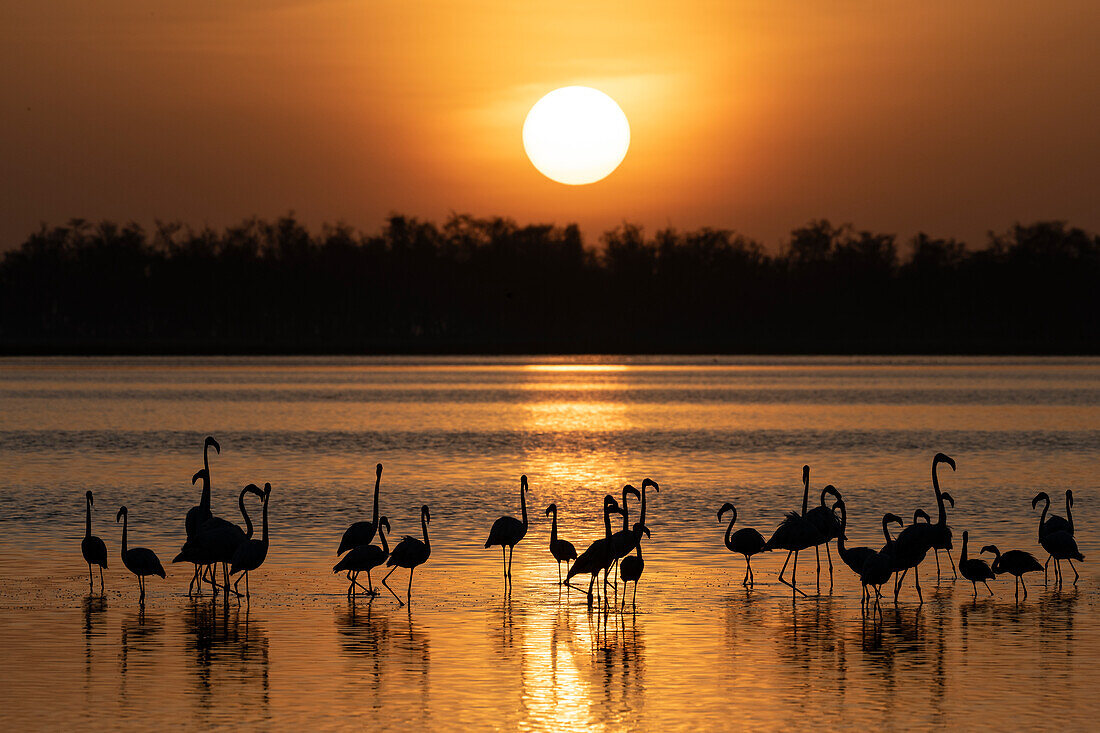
(576, 135)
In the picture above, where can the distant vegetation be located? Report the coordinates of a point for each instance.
(490, 285)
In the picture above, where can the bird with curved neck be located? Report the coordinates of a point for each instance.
(199, 513)
(93, 549)
(1013, 562)
(365, 558)
(940, 538)
(562, 550)
(362, 533)
(794, 534)
(508, 531)
(745, 541)
(650, 484)
(216, 541)
(1053, 524)
(824, 519)
(622, 542)
(854, 557)
(632, 566)
(411, 553)
(878, 567)
(250, 554)
(975, 569)
(140, 561)
(1059, 544)
(599, 554)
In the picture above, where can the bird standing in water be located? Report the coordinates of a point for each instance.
(410, 553)
(794, 534)
(140, 561)
(93, 549)
(562, 550)
(975, 569)
(745, 541)
(365, 558)
(632, 566)
(508, 531)
(250, 554)
(1013, 562)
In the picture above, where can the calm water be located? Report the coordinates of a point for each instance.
(699, 652)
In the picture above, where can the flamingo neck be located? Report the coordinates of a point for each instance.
(87, 517)
(886, 533)
(125, 517)
(639, 545)
(523, 505)
(247, 520)
(942, 518)
(805, 496)
(843, 526)
(381, 534)
(554, 527)
(424, 528)
(962, 558)
(1043, 516)
(729, 531)
(641, 511)
(377, 485)
(1069, 513)
(265, 521)
(626, 514)
(607, 522)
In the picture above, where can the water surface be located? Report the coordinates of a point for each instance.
(698, 652)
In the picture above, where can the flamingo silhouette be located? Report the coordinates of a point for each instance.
(599, 554)
(1013, 562)
(824, 519)
(975, 569)
(411, 552)
(622, 542)
(200, 513)
(1051, 528)
(746, 541)
(562, 550)
(508, 531)
(854, 557)
(909, 550)
(879, 566)
(646, 483)
(794, 534)
(940, 533)
(362, 533)
(93, 549)
(140, 561)
(251, 553)
(632, 566)
(217, 539)
(365, 558)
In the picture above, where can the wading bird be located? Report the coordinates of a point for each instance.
(1013, 562)
(411, 552)
(909, 550)
(975, 569)
(362, 533)
(795, 534)
(599, 554)
(1053, 525)
(824, 519)
(562, 550)
(140, 561)
(940, 538)
(364, 558)
(880, 566)
(854, 557)
(93, 549)
(217, 539)
(632, 566)
(251, 553)
(622, 542)
(200, 513)
(746, 541)
(508, 531)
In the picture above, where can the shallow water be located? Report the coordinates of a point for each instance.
(698, 651)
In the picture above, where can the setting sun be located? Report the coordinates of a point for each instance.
(576, 135)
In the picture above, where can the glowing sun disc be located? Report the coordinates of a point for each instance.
(576, 135)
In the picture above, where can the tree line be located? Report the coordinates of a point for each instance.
(491, 285)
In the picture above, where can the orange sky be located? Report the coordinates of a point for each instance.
(954, 117)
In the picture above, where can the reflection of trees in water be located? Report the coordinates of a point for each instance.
(224, 641)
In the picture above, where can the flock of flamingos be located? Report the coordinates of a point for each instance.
(213, 540)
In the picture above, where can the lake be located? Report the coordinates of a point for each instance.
(698, 651)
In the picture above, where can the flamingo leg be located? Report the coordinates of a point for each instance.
(817, 554)
(937, 564)
(511, 551)
(1076, 574)
(1046, 566)
(101, 591)
(559, 572)
(370, 586)
(794, 575)
(91, 579)
(1021, 579)
(954, 573)
(590, 584)
(504, 562)
(975, 584)
(748, 571)
(409, 592)
(784, 568)
(635, 601)
(399, 601)
(986, 584)
(829, 557)
(898, 580)
(916, 580)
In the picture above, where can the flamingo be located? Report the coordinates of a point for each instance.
(824, 518)
(362, 533)
(365, 558)
(854, 557)
(251, 553)
(646, 483)
(746, 541)
(631, 567)
(599, 554)
(795, 534)
(1062, 546)
(508, 531)
(910, 549)
(562, 550)
(975, 569)
(140, 561)
(622, 542)
(411, 552)
(1013, 562)
(1053, 524)
(93, 549)
(880, 566)
(940, 533)
(199, 513)
(217, 539)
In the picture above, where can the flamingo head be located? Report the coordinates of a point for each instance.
(831, 490)
(425, 514)
(211, 443)
(1069, 496)
(384, 521)
(1041, 496)
(991, 548)
(944, 458)
(254, 489)
(88, 497)
(648, 482)
(948, 498)
(921, 514)
(727, 507)
(639, 528)
(378, 471)
(121, 514)
(201, 473)
(893, 519)
(630, 490)
(552, 508)
(610, 505)
(523, 482)
(267, 490)
(805, 475)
